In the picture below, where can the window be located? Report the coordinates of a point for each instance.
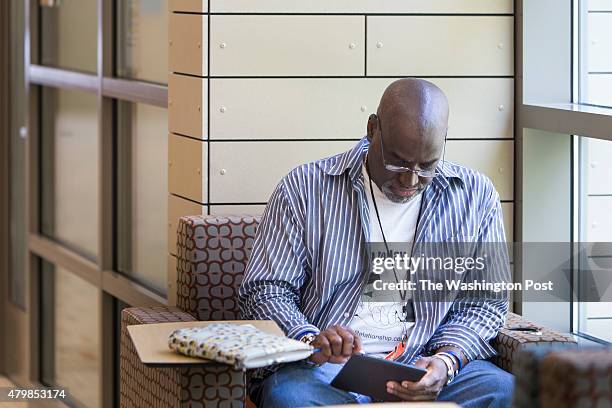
(69, 34)
(142, 35)
(71, 329)
(142, 193)
(593, 169)
(96, 157)
(595, 53)
(595, 232)
(566, 109)
(70, 185)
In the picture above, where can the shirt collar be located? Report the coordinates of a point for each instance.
(351, 161)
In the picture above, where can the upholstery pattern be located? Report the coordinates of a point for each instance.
(509, 342)
(213, 386)
(212, 257)
(142, 386)
(526, 363)
(199, 387)
(577, 378)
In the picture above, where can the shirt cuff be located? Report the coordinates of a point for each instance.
(463, 338)
(298, 331)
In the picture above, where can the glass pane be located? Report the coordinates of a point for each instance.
(595, 207)
(17, 119)
(69, 143)
(142, 37)
(596, 53)
(142, 193)
(69, 34)
(71, 329)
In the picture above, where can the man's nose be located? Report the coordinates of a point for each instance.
(408, 179)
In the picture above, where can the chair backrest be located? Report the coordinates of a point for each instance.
(212, 254)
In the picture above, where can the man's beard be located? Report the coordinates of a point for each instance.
(388, 192)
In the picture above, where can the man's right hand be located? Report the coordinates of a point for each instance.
(337, 344)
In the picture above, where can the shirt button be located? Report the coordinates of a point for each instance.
(346, 315)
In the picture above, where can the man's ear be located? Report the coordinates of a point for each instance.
(372, 123)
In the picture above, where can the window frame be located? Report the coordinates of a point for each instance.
(112, 285)
(553, 107)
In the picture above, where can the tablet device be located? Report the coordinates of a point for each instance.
(369, 375)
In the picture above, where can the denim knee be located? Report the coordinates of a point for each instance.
(499, 385)
(296, 385)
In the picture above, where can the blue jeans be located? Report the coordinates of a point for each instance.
(479, 384)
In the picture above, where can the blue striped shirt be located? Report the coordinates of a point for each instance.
(309, 256)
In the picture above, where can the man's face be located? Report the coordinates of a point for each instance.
(403, 145)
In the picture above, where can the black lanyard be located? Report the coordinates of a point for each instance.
(402, 292)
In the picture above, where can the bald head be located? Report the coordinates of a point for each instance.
(411, 123)
(418, 102)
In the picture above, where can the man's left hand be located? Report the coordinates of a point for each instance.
(427, 388)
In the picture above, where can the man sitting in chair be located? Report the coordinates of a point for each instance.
(308, 262)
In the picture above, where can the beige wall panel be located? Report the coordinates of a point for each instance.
(240, 161)
(599, 221)
(187, 164)
(187, 104)
(172, 277)
(286, 45)
(595, 5)
(508, 209)
(179, 207)
(599, 42)
(455, 45)
(494, 158)
(599, 167)
(293, 109)
(362, 6)
(480, 107)
(195, 6)
(187, 44)
(254, 209)
(248, 175)
(599, 89)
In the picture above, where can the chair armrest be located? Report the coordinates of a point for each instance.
(509, 342)
(146, 387)
(140, 385)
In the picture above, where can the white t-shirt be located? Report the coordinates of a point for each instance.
(380, 324)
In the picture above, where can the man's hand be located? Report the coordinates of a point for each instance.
(337, 344)
(428, 387)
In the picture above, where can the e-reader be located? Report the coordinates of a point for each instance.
(369, 376)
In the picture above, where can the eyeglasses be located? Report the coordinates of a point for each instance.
(402, 169)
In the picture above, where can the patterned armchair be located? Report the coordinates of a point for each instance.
(212, 255)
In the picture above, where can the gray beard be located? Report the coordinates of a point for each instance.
(400, 200)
